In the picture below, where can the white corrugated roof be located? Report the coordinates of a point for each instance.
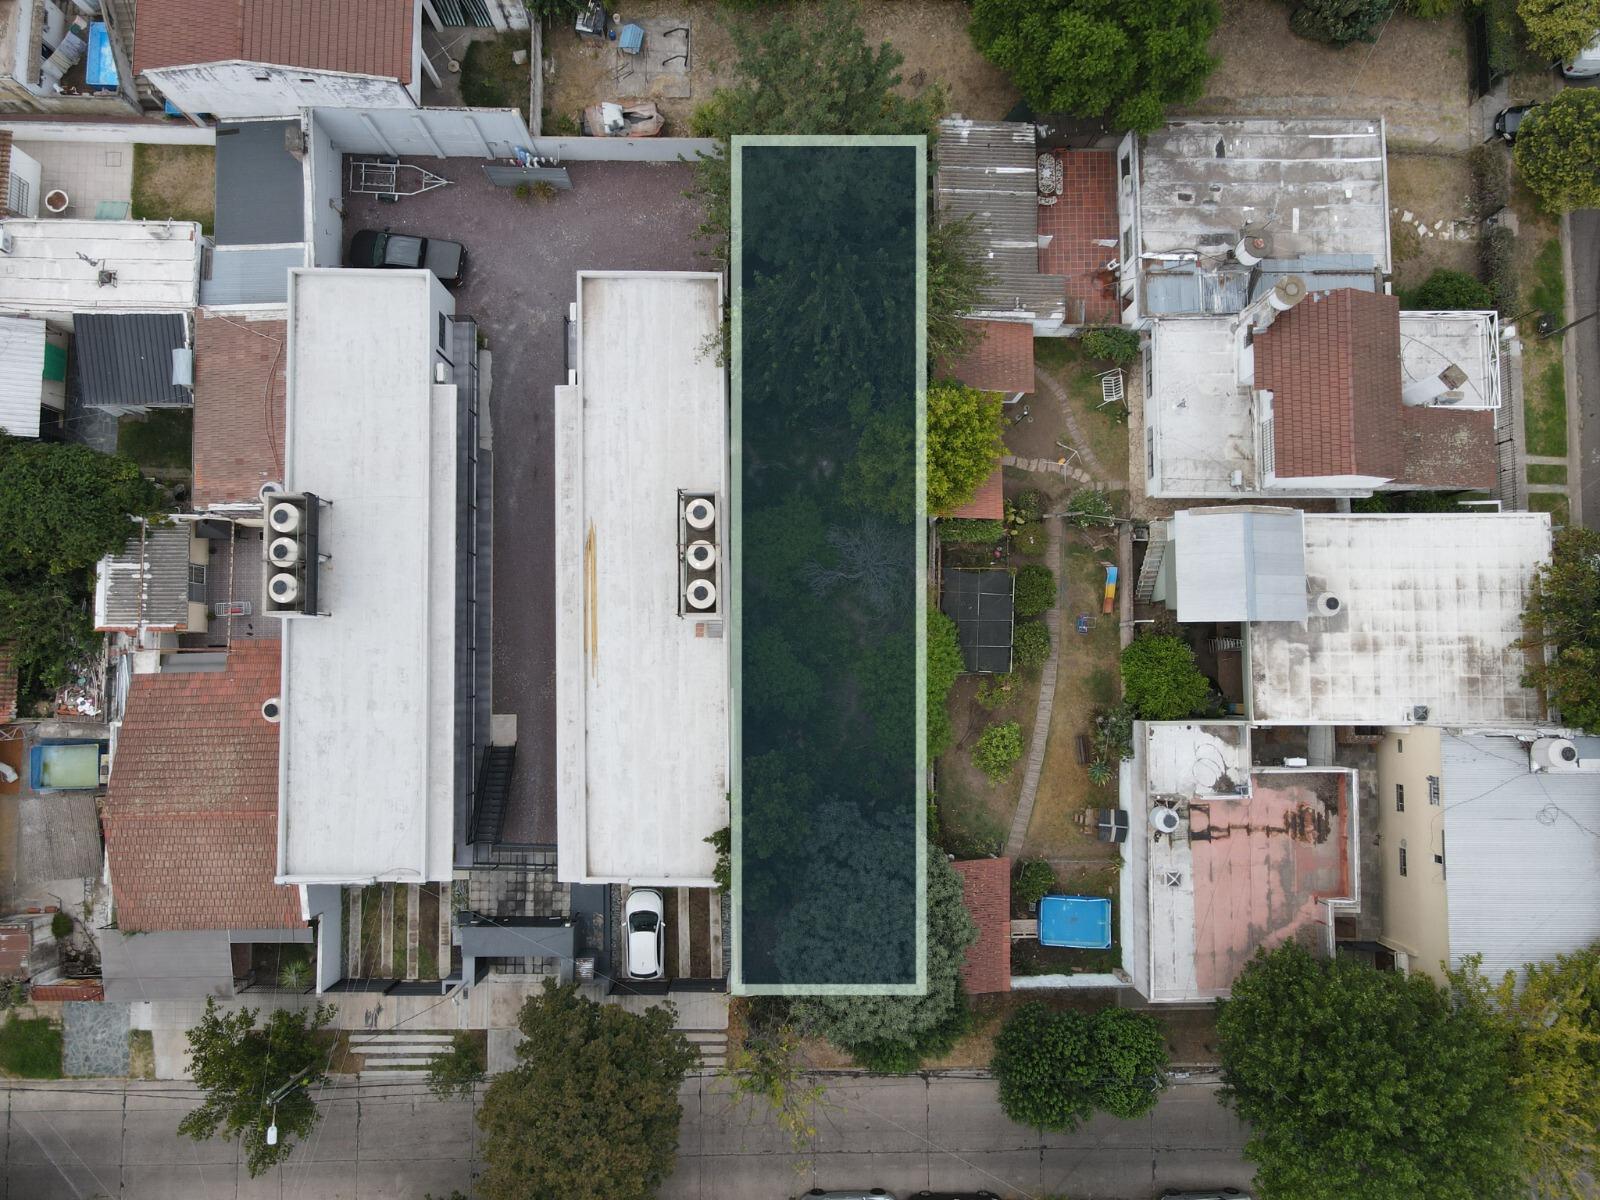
(1240, 564)
(1431, 614)
(1522, 854)
(21, 374)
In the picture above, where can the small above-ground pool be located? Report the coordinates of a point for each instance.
(1081, 922)
(64, 766)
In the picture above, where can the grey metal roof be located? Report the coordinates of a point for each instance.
(1240, 564)
(147, 584)
(989, 171)
(125, 359)
(186, 965)
(250, 275)
(260, 186)
(1220, 287)
(1522, 859)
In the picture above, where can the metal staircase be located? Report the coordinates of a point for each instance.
(494, 786)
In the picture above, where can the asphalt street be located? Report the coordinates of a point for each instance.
(82, 1139)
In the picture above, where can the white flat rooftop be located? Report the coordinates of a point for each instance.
(1432, 341)
(67, 266)
(1199, 418)
(1431, 613)
(642, 738)
(366, 767)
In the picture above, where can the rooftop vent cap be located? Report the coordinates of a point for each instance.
(1329, 605)
(283, 551)
(272, 709)
(284, 517)
(284, 588)
(700, 513)
(1553, 754)
(701, 595)
(701, 555)
(1419, 712)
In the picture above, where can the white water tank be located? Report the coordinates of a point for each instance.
(1287, 292)
(701, 555)
(283, 551)
(700, 513)
(1328, 605)
(284, 588)
(272, 709)
(1164, 819)
(1553, 754)
(1252, 247)
(284, 517)
(701, 595)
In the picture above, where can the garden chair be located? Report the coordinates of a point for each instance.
(1111, 388)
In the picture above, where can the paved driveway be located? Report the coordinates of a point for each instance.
(79, 1139)
(523, 256)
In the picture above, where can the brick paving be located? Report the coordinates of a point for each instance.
(1085, 214)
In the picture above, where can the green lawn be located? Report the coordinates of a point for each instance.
(1546, 418)
(1549, 289)
(174, 183)
(162, 439)
(30, 1048)
(1547, 473)
(489, 79)
(1554, 503)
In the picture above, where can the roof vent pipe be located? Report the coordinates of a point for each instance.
(272, 709)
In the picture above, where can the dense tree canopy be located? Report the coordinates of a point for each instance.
(1160, 678)
(1552, 1022)
(1356, 1081)
(1124, 60)
(1446, 290)
(1559, 28)
(591, 1110)
(964, 443)
(239, 1066)
(944, 665)
(1558, 150)
(1055, 1069)
(1340, 22)
(1563, 623)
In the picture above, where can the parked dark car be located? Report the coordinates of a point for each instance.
(1510, 120)
(370, 248)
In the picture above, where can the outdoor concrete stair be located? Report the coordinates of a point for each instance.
(383, 1036)
(382, 1064)
(711, 1044)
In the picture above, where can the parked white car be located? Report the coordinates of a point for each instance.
(646, 918)
(1585, 64)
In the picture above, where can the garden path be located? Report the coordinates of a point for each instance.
(1046, 705)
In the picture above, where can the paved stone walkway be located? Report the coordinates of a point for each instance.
(1046, 705)
(94, 1038)
(1093, 471)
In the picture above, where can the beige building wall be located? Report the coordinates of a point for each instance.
(1415, 917)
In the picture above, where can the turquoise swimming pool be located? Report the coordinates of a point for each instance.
(65, 766)
(1081, 922)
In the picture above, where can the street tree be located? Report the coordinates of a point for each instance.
(1559, 28)
(256, 1077)
(1562, 621)
(1056, 1069)
(1123, 60)
(1558, 150)
(1360, 1081)
(590, 1112)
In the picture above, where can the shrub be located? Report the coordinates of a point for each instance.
(1446, 289)
(998, 749)
(1032, 882)
(1027, 506)
(1432, 10)
(1030, 645)
(1089, 506)
(1497, 254)
(901, 1058)
(1340, 22)
(1035, 590)
(1113, 343)
(996, 691)
(60, 926)
(1491, 178)
(1558, 150)
(1160, 678)
(944, 665)
(961, 531)
(1113, 732)
(1101, 773)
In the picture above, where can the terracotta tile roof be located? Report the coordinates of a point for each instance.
(191, 813)
(988, 503)
(1000, 358)
(369, 38)
(986, 887)
(8, 684)
(82, 989)
(238, 408)
(15, 943)
(1332, 364)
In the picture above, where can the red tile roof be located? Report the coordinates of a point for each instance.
(191, 813)
(988, 503)
(1000, 358)
(1332, 364)
(15, 943)
(986, 887)
(238, 408)
(82, 989)
(373, 37)
(1079, 224)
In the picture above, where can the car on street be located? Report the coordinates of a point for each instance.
(1585, 64)
(1223, 1193)
(1509, 120)
(646, 918)
(402, 251)
(852, 1194)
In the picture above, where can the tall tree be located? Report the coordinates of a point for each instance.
(1055, 1069)
(1124, 60)
(1553, 1024)
(1559, 28)
(1359, 1081)
(1563, 624)
(1160, 678)
(1558, 150)
(591, 1110)
(241, 1068)
(964, 444)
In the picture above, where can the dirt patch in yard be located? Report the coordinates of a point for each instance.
(1415, 76)
(1430, 216)
(976, 814)
(932, 34)
(174, 183)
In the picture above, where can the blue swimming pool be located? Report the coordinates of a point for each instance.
(1082, 922)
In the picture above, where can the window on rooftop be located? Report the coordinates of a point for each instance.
(1399, 797)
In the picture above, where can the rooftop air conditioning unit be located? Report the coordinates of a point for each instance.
(1419, 712)
(1553, 754)
(290, 550)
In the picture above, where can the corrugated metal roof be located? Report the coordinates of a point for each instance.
(1184, 287)
(260, 185)
(125, 359)
(147, 584)
(21, 374)
(1522, 858)
(1240, 564)
(989, 171)
(250, 275)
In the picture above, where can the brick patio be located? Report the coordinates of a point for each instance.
(1085, 214)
